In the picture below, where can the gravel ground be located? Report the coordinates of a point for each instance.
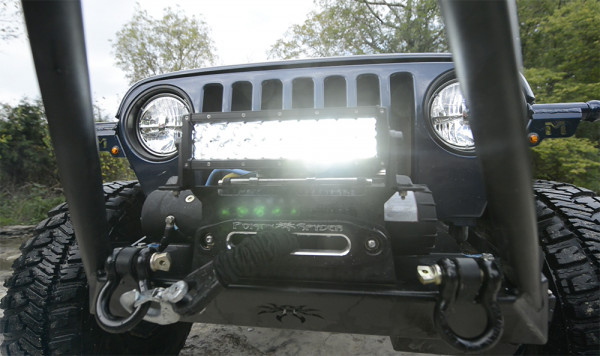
(209, 339)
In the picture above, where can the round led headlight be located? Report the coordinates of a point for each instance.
(159, 124)
(448, 115)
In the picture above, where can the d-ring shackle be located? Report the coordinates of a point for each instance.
(461, 281)
(123, 261)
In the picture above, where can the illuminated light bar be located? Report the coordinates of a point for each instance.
(319, 141)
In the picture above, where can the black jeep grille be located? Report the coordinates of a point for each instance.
(307, 92)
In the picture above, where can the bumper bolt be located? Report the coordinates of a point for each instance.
(372, 245)
(176, 291)
(430, 274)
(160, 262)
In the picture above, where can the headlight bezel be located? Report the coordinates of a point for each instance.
(444, 81)
(133, 116)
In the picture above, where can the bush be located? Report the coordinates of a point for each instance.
(27, 204)
(572, 160)
(26, 154)
(115, 168)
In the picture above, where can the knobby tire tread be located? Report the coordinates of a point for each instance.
(569, 231)
(46, 306)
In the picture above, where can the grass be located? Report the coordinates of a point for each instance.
(27, 204)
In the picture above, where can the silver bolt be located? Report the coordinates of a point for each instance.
(170, 219)
(190, 198)
(176, 291)
(430, 274)
(487, 256)
(208, 116)
(372, 245)
(160, 261)
(209, 240)
(243, 114)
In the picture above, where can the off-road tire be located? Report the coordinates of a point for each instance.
(46, 306)
(569, 232)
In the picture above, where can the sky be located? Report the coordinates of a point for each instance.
(242, 31)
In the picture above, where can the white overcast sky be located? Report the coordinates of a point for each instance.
(242, 30)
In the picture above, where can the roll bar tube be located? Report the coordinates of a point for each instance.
(485, 50)
(57, 42)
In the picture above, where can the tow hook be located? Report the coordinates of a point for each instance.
(164, 297)
(123, 261)
(475, 280)
(189, 296)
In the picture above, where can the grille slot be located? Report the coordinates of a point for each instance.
(272, 95)
(213, 98)
(335, 91)
(241, 96)
(367, 90)
(303, 93)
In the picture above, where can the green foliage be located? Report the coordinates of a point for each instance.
(27, 204)
(590, 131)
(346, 27)
(561, 47)
(115, 168)
(561, 43)
(573, 160)
(25, 151)
(563, 36)
(28, 173)
(145, 46)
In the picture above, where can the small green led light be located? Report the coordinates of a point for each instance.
(242, 211)
(225, 212)
(259, 211)
(276, 211)
(294, 211)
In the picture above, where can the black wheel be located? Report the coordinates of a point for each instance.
(569, 231)
(46, 306)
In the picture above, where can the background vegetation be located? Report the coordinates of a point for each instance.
(29, 181)
(560, 42)
(561, 47)
(146, 46)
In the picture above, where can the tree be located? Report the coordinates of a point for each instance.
(26, 154)
(145, 46)
(347, 27)
(561, 43)
(11, 22)
(573, 160)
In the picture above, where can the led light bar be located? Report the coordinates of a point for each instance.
(318, 141)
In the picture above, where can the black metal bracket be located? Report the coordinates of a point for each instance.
(470, 280)
(404, 184)
(559, 120)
